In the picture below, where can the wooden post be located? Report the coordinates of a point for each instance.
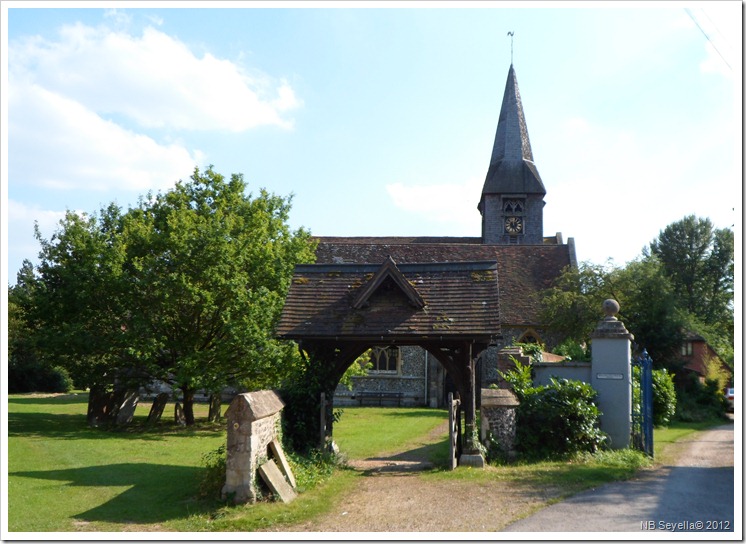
(453, 430)
(322, 422)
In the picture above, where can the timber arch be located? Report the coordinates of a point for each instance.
(337, 311)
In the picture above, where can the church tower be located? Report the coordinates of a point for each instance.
(512, 200)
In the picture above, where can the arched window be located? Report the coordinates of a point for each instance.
(530, 337)
(385, 360)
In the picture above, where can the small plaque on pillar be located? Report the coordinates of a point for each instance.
(602, 376)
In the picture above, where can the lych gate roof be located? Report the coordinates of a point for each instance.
(364, 301)
(386, 276)
(522, 270)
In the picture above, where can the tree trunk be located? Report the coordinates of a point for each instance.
(188, 405)
(100, 405)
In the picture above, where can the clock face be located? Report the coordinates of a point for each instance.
(513, 225)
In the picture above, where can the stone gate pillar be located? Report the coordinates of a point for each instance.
(611, 375)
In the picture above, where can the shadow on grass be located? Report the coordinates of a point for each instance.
(157, 493)
(47, 398)
(427, 457)
(75, 426)
(414, 413)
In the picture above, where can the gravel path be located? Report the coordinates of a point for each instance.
(393, 497)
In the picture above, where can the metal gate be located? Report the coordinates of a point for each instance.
(642, 403)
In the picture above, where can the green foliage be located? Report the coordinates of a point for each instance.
(699, 260)
(301, 392)
(51, 455)
(573, 351)
(532, 350)
(715, 372)
(27, 372)
(311, 469)
(701, 402)
(30, 376)
(649, 309)
(556, 420)
(519, 377)
(360, 367)
(572, 306)
(186, 287)
(684, 281)
(213, 478)
(648, 305)
(664, 397)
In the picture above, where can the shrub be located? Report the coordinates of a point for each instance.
(558, 419)
(664, 397)
(312, 469)
(700, 402)
(554, 420)
(211, 485)
(531, 349)
(573, 351)
(519, 377)
(309, 470)
(34, 376)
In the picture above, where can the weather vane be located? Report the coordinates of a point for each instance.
(511, 46)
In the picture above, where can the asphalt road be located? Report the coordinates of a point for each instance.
(694, 494)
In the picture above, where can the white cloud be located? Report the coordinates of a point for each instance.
(614, 191)
(19, 213)
(153, 79)
(20, 227)
(56, 142)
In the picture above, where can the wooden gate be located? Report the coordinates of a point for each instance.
(454, 430)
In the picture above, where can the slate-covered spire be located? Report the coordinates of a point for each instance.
(512, 169)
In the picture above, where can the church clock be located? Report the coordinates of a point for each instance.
(514, 225)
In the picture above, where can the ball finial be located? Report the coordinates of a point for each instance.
(610, 307)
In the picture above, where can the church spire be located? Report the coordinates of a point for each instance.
(512, 168)
(513, 193)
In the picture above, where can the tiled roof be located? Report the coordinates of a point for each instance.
(523, 270)
(461, 301)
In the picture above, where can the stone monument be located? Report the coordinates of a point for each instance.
(253, 444)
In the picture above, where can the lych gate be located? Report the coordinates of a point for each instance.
(335, 312)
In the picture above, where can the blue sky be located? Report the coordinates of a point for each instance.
(379, 121)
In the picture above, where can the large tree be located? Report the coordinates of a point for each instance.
(75, 307)
(698, 258)
(572, 307)
(683, 281)
(185, 287)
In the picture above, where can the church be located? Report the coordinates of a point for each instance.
(484, 288)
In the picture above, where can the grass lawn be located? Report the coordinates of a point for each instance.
(64, 476)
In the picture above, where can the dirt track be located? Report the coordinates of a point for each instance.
(393, 497)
